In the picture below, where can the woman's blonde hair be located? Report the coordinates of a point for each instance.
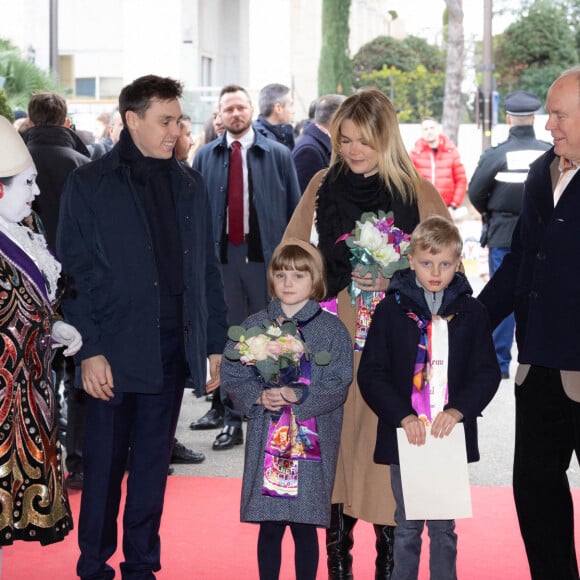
(375, 117)
(294, 254)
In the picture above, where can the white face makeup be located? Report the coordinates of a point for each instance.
(17, 196)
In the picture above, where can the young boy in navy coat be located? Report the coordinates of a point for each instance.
(429, 360)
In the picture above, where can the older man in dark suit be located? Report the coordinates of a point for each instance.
(539, 281)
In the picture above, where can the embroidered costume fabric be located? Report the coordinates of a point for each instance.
(33, 501)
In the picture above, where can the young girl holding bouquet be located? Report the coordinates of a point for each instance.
(294, 422)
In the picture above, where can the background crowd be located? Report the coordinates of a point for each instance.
(167, 238)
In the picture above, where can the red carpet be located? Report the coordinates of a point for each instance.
(202, 538)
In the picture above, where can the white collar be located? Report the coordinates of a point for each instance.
(245, 141)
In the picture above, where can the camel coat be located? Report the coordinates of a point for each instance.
(363, 486)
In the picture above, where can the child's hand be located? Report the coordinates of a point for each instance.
(444, 422)
(272, 399)
(415, 430)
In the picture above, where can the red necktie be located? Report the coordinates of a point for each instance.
(236, 196)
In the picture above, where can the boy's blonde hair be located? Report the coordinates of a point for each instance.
(434, 234)
(295, 254)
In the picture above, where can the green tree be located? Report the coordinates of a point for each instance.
(535, 49)
(573, 19)
(23, 78)
(416, 94)
(410, 71)
(5, 110)
(334, 67)
(405, 55)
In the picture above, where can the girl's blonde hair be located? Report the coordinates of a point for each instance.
(294, 254)
(375, 117)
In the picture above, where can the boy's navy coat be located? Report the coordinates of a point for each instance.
(386, 369)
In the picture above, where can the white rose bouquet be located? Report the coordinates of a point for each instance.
(275, 350)
(377, 245)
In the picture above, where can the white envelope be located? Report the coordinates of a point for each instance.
(435, 477)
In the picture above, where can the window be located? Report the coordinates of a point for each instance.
(206, 71)
(86, 87)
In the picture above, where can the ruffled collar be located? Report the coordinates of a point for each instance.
(35, 247)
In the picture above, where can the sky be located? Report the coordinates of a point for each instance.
(426, 20)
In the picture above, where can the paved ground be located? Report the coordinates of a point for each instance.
(496, 436)
(496, 428)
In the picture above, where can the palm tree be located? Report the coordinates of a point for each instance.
(22, 78)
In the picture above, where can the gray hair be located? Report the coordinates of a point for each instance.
(326, 107)
(270, 95)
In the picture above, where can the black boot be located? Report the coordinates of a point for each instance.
(384, 545)
(339, 542)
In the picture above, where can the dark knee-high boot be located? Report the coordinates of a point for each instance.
(339, 542)
(385, 542)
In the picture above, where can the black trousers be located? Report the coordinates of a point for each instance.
(246, 293)
(132, 432)
(547, 433)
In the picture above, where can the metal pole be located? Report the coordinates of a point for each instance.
(53, 40)
(488, 67)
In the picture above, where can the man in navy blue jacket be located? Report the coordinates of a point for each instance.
(539, 281)
(270, 191)
(313, 149)
(135, 235)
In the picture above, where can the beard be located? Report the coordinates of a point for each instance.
(238, 127)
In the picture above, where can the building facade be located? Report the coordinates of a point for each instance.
(205, 43)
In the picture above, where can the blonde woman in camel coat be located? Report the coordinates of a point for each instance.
(370, 170)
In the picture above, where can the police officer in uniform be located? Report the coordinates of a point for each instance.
(496, 190)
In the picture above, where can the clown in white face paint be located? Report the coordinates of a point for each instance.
(17, 194)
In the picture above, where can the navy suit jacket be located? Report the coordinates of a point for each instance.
(273, 186)
(311, 154)
(540, 279)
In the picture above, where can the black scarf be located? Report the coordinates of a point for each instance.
(152, 179)
(342, 198)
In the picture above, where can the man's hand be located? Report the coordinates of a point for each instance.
(97, 377)
(215, 360)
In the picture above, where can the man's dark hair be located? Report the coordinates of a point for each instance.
(233, 89)
(47, 109)
(312, 109)
(138, 95)
(270, 95)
